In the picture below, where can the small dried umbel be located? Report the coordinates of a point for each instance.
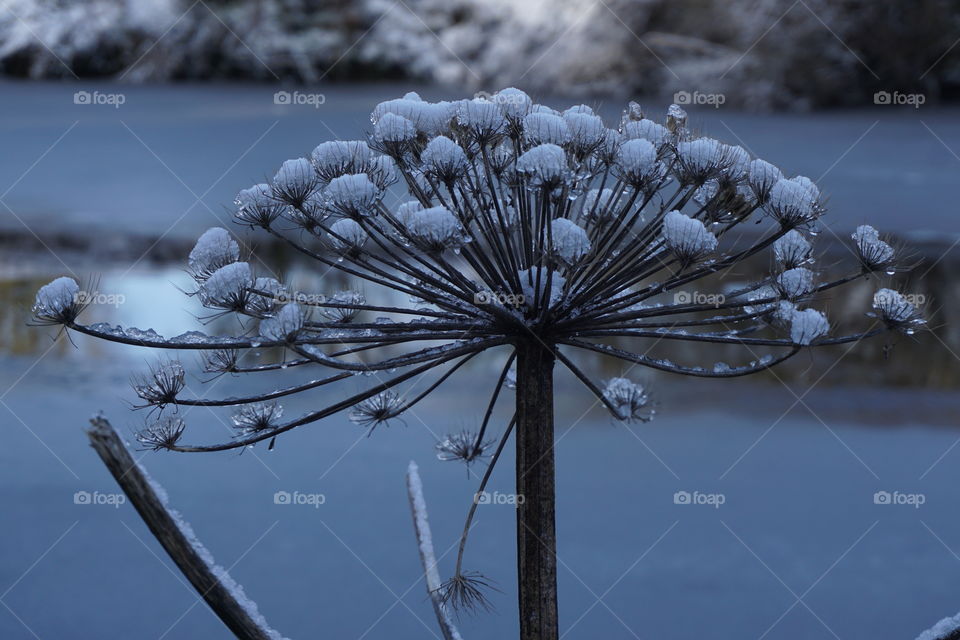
(162, 434)
(464, 446)
(58, 303)
(257, 417)
(377, 410)
(161, 385)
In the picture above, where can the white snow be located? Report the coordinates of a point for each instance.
(214, 249)
(870, 248)
(545, 128)
(337, 157)
(570, 241)
(687, 237)
(647, 130)
(792, 249)
(545, 164)
(393, 128)
(808, 325)
(352, 194)
(434, 228)
(586, 129)
(637, 159)
(528, 284)
(53, 298)
(445, 158)
(762, 175)
(514, 103)
(227, 285)
(284, 325)
(701, 156)
(942, 629)
(791, 202)
(294, 176)
(795, 282)
(352, 234)
(482, 116)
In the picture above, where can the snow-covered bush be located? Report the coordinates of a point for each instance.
(531, 234)
(757, 53)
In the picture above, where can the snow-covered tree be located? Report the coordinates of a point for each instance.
(530, 233)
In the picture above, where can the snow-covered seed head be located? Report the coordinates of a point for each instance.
(352, 195)
(808, 325)
(539, 286)
(605, 155)
(220, 360)
(795, 283)
(687, 237)
(514, 104)
(161, 385)
(434, 229)
(312, 213)
(570, 242)
(444, 159)
(738, 163)
(392, 130)
(874, 253)
(295, 180)
(266, 295)
(347, 237)
(382, 172)
(284, 325)
(338, 158)
(482, 119)
(792, 203)
(544, 165)
(897, 312)
(792, 250)
(228, 287)
(377, 410)
(256, 417)
(645, 129)
(214, 249)
(545, 128)
(701, 159)
(599, 206)
(587, 131)
(637, 163)
(761, 176)
(162, 434)
(344, 307)
(257, 206)
(628, 400)
(58, 302)
(462, 447)
(429, 118)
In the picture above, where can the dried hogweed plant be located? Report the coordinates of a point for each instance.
(528, 231)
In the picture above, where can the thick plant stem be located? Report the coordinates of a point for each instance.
(536, 531)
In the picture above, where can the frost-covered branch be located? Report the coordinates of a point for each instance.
(222, 594)
(421, 526)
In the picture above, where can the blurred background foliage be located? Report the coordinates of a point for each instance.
(761, 54)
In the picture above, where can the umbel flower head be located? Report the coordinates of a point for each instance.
(521, 227)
